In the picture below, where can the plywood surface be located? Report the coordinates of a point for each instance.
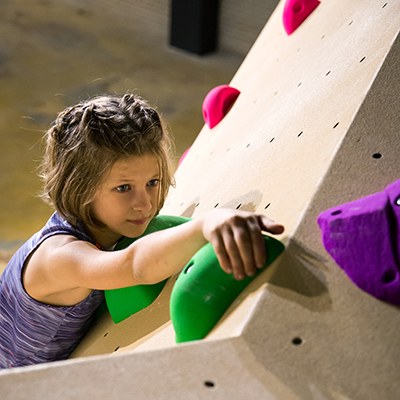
(315, 111)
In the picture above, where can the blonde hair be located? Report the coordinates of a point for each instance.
(85, 142)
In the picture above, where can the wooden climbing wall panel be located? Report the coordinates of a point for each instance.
(316, 125)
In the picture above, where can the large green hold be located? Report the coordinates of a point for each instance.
(122, 303)
(204, 291)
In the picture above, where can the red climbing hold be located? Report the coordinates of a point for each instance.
(296, 12)
(217, 104)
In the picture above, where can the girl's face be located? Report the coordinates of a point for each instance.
(127, 199)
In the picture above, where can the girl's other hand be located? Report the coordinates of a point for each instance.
(237, 239)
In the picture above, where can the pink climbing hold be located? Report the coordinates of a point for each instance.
(217, 104)
(183, 156)
(296, 12)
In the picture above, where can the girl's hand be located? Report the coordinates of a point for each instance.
(237, 239)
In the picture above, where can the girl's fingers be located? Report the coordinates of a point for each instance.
(268, 225)
(239, 244)
(234, 253)
(244, 238)
(258, 243)
(221, 253)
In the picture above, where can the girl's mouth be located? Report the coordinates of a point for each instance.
(138, 221)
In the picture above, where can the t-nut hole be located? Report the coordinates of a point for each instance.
(337, 212)
(189, 267)
(297, 341)
(389, 276)
(209, 384)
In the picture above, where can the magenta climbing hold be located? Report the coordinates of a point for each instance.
(295, 12)
(363, 238)
(217, 104)
(183, 156)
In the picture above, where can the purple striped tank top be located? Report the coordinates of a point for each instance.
(32, 332)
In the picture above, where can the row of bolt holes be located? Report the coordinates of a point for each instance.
(237, 208)
(297, 341)
(249, 144)
(300, 83)
(350, 23)
(375, 155)
(322, 37)
(105, 336)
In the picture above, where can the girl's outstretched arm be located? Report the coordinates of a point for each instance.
(235, 235)
(64, 270)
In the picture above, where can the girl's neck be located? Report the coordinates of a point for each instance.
(105, 240)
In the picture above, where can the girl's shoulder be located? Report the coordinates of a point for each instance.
(57, 225)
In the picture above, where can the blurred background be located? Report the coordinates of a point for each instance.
(55, 53)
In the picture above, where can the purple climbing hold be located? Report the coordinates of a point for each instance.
(363, 238)
(295, 12)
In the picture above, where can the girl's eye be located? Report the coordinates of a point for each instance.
(153, 182)
(123, 188)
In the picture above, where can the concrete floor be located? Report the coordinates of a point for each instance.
(53, 55)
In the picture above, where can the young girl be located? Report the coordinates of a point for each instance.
(107, 172)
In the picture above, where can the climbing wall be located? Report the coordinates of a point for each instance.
(316, 125)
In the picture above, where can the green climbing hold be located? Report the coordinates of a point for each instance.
(124, 302)
(204, 291)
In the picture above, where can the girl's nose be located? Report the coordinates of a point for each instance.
(141, 202)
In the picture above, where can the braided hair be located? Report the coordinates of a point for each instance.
(87, 139)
